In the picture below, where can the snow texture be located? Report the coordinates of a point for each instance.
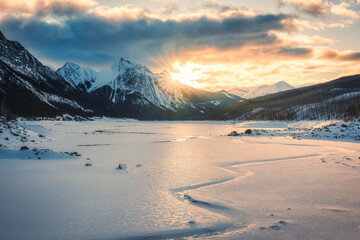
(183, 180)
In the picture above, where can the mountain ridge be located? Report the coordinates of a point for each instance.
(262, 90)
(124, 78)
(30, 89)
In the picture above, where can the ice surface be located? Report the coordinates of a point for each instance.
(183, 179)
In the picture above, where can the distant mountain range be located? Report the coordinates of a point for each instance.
(337, 99)
(253, 92)
(126, 89)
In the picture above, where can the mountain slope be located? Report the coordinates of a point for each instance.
(28, 88)
(339, 98)
(253, 92)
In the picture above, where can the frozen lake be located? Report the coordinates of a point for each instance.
(182, 180)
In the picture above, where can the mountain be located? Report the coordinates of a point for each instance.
(78, 77)
(30, 89)
(336, 99)
(253, 92)
(128, 83)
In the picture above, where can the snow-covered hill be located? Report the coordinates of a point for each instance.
(125, 81)
(253, 92)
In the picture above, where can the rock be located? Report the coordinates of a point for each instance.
(24, 148)
(248, 131)
(275, 227)
(283, 223)
(122, 166)
(88, 164)
(139, 165)
(262, 228)
(233, 133)
(74, 154)
(344, 125)
(191, 222)
(15, 134)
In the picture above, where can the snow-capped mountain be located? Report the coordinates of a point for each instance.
(81, 77)
(253, 92)
(131, 83)
(29, 88)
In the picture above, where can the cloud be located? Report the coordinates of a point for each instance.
(214, 4)
(320, 8)
(313, 7)
(299, 39)
(35, 7)
(343, 10)
(103, 33)
(334, 55)
(295, 51)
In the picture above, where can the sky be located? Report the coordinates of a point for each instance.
(208, 44)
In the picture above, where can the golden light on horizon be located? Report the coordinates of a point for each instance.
(189, 74)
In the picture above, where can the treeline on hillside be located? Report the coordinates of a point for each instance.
(332, 100)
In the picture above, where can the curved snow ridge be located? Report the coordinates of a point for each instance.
(183, 193)
(181, 233)
(193, 187)
(271, 160)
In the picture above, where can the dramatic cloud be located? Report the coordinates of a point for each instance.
(104, 33)
(220, 46)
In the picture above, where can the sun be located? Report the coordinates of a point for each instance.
(188, 74)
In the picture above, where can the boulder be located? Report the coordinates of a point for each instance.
(122, 166)
(248, 131)
(233, 133)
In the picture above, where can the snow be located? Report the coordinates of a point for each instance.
(125, 77)
(54, 98)
(75, 75)
(182, 180)
(253, 92)
(345, 96)
(331, 129)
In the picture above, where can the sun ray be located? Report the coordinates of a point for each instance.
(188, 74)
